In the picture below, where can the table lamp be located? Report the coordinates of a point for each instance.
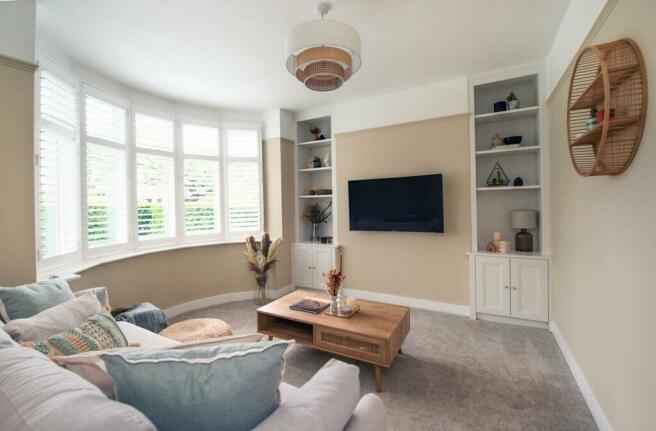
(524, 220)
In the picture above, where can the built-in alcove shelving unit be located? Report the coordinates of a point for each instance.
(314, 185)
(493, 204)
(509, 287)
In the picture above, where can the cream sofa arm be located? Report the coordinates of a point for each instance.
(369, 415)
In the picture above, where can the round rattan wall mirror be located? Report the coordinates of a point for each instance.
(607, 107)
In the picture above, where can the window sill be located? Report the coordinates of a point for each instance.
(71, 271)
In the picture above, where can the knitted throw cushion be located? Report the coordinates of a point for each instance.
(99, 332)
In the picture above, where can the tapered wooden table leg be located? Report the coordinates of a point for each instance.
(379, 378)
(270, 337)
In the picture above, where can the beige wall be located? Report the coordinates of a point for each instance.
(604, 247)
(420, 265)
(173, 277)
(17, 234)
(278, 158)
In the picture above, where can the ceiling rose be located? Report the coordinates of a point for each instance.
(323, 54)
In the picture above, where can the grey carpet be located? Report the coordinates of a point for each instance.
(455, 374)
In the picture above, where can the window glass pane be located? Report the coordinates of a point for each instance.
(58, 194)
(106, 196)
(199, 140)
(155, 197)
(242, 143)
(244, 196)
(201, 194)
(58, 101)
(153, 133)
(104, 120)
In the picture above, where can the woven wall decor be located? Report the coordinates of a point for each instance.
(609, 84)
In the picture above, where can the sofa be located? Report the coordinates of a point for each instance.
(37, 394)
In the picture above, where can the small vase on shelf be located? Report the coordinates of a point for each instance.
(315, 232)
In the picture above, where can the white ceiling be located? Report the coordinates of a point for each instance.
(230, 53)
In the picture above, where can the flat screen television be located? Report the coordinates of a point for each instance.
(406, 204)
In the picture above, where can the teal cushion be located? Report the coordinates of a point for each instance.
(29, 299)
(227, 387)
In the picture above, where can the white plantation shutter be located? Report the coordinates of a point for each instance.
(153, 133)
(104, 120)
(155, 177)
(106, 173)
(155, 197)
(58, 187)
(107, 221)
(201, 196)
(244, 182)
(202, 207)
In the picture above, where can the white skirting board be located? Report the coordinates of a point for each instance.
(221, 299)
(581, 381)
(424, 304)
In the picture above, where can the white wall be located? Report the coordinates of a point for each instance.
(17, 24)
(580, 17)
(441, 99)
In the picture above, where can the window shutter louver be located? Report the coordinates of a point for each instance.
(243, 180)
(107, 222)
(58, 195)
(104, 120)
(155, 177)
(202, 207)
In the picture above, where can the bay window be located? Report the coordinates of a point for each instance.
(131, 178)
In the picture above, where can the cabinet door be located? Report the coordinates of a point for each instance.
(492, 285)
(324, 259)
(529, 289)
(302, 265)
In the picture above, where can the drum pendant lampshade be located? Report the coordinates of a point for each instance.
(323, 54)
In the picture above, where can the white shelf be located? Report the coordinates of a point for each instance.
(513, 114)
(507, 188)
(319, 143)
(322, 169)
(509, 151)
(314, 196)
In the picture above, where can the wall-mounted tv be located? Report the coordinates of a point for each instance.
(408, 204)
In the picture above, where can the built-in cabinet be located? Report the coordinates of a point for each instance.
(512, 287)
(311, 261)
(314, 157)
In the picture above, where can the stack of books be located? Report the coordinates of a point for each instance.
(310, 305)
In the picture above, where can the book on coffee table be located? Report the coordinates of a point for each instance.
(310, 305)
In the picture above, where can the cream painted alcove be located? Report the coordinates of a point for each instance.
(604, 245)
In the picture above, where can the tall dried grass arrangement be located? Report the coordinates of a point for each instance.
(261, 260)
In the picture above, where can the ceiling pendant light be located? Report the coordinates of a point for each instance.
(323, 54)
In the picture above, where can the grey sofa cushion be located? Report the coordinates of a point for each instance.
(6, 340)
(36, 394)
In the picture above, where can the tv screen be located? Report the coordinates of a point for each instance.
(409, 204)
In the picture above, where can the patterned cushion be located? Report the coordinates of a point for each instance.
(99, 332)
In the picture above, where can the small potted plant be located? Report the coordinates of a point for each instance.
(315, 215)
(334, 280)
(513, 102)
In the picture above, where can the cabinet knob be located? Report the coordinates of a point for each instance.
(310, 267)
(514, 287)
(505, 287)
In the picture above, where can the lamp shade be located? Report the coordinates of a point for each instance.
(524, 219)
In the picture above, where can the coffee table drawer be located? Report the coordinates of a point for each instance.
(356, 346)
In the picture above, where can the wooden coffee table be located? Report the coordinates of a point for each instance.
(373, 335)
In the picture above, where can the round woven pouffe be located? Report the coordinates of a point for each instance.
(197, 329)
